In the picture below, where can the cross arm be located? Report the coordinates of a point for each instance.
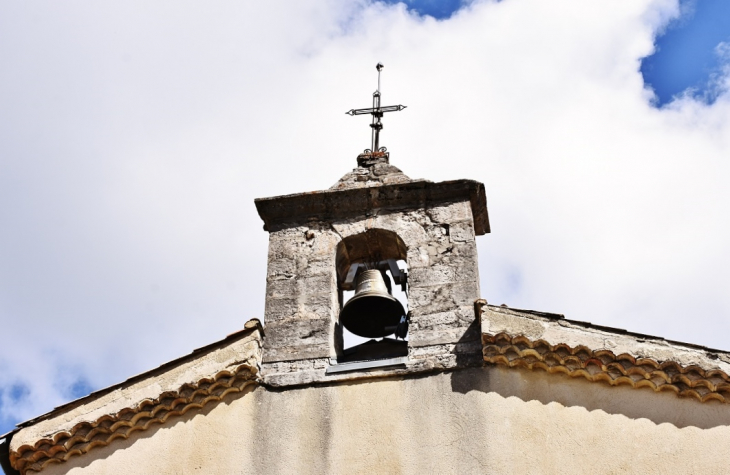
(376, 110)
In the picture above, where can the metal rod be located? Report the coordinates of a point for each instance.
(377, 112)
(376, 125)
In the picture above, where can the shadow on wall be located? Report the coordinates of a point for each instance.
(660, 408)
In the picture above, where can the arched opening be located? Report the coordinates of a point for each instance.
(372, 282)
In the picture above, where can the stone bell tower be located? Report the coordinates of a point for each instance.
(374, 214)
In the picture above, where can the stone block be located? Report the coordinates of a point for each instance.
(451, 336)
(418, 257)
(465, 269)
(466, 251)
(431, 299)
(436, 233)
(436, 274)
(324, 266)
(317, 285)
(300, 332)
(323, 244)
(450, 213)
(282, 268)
(421, 322)
(412, 233)
(318, 306)
(462, 232)
(440, 298)
(278, 309)
(281, 288)
(464, 294)
(302, 352)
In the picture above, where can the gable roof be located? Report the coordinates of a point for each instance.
(188, 383)
(512, 338)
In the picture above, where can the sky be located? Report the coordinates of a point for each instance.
(134, 137)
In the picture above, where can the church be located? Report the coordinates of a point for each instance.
(377, 354)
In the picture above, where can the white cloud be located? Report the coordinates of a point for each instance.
(719, 80)
(134, 138)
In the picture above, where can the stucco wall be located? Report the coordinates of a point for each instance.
(482, 420)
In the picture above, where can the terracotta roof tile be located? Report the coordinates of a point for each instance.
(189, 383)
(549, 342)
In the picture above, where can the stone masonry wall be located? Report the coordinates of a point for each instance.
(301, 293)
(302, 298)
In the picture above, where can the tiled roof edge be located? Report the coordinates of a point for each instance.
(603, 365)
(86, 435)
(594, 326)
(250, 326)
(539, 340)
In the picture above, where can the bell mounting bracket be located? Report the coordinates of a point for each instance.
(400, 276)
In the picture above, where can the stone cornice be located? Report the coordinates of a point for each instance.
(284, 210)
(534, 340)
(186, 384)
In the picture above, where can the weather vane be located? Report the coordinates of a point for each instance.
(377, 112)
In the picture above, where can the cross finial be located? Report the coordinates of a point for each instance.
(377, 125)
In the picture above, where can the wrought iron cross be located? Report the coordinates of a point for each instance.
(377, 112)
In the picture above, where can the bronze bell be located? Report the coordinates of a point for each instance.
(372, 309)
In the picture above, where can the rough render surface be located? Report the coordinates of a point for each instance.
(301, 297)
(135, 405)
(481, 420)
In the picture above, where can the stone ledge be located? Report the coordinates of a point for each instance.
(423, 359)
(282, 211)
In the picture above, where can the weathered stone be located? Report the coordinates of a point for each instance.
(282, 268)
(301, 352)
(432, 299)
(320, 267)
(380, 173)
(464, 250)
(283, 212)
(317, 284)
(321, 245)
(278, 309)
(465, 269)
(435, 320)
(436, 274)
(316, 237)
(456, 317)
(418, 257)
(462, 232)
(450, 213)
(440, 336)
(280, 288)
(298, 333)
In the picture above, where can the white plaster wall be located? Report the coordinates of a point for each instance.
(487, 420)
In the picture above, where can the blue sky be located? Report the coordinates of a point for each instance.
(134, 137)
(686, 54)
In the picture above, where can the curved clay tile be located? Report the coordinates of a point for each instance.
(87, 435)
(603, 365)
